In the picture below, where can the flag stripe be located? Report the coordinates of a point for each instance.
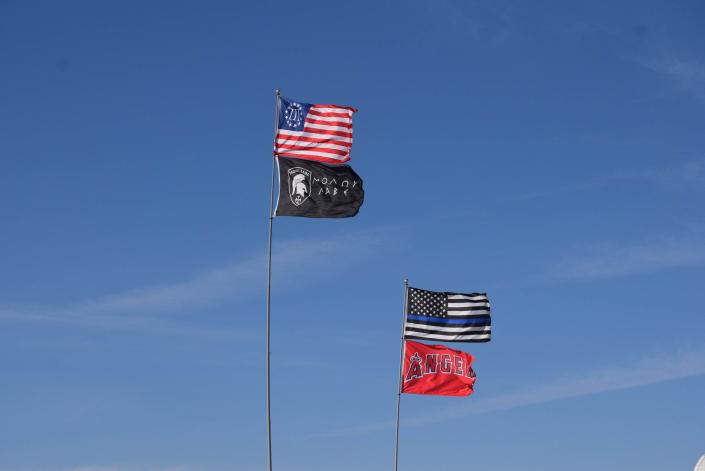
(327, 149)
(442, 321)
(328, 119)
(332, 151)
(451, 338)
(486, 307)
(330, 160)
(465, 315)
(317, 133)
(471, 297)
(318, 152)
(286, 139)
(467, 304)
(343, 130)
(458, 306)
(346, 110)
(283, 133)
(323, 145)
(424, 328)
(316, 129)
(319, 113)
(329, 122)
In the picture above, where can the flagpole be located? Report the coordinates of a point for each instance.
(269, 288)
(401, 373)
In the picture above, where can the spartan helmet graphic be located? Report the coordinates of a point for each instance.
(299, 190)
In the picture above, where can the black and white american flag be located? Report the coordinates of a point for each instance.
(449, 317)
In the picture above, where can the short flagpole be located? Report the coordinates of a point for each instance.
(401, 372)
(269, 288)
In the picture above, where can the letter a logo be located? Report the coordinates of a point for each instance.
(414, 371)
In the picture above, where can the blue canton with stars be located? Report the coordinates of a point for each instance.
(292, 114)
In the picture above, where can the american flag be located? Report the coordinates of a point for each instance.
(314, 132)
(449, 317)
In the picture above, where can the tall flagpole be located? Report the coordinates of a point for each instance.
(401, 372)
(269, 286)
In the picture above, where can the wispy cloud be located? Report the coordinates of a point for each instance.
(687, 76)
(648, 371)
(575, 187)
(481, 19)
(610, 260)
(152, 309)
(688, 175)
(681, 176)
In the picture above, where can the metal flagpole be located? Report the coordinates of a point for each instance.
(269, 287)
(401, 372)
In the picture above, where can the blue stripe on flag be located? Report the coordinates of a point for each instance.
(477, 320)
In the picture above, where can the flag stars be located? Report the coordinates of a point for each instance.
(427, 303)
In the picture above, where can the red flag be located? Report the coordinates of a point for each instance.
(436, 370)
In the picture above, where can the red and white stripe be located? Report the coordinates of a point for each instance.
(327, 136)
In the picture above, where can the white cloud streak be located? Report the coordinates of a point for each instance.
(687, 76)
(685, 176)
(646, 372)
(481, 19)
(620, 260)
(152, 309)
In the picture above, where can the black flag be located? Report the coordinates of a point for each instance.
(315, 190)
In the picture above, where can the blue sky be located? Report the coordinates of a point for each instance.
(549, 153)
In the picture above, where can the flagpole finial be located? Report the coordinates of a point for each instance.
(277, 91)
(406, 281)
